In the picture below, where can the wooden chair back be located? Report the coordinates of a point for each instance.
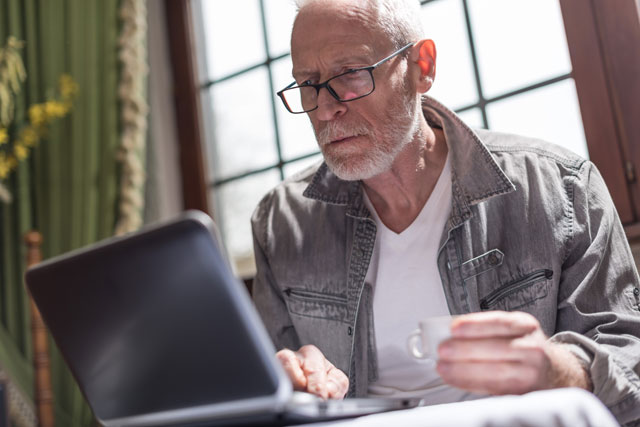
(41, 365)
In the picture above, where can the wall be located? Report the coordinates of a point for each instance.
(164, 185)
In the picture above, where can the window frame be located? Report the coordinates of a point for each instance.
(600, 39)
(188, 111)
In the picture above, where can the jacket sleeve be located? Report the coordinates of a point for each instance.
(267, 295)
(598, 303)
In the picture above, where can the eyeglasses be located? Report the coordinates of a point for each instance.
(348, 86)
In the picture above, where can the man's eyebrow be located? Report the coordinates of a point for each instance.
(300, 73)
(361, 57)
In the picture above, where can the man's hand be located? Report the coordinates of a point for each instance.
(310, 371)
(506, 353)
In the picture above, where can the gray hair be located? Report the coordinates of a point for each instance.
(398, 19)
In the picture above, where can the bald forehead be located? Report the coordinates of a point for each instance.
(309, 4)
(357, 13)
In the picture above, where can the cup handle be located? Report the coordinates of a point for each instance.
(413, 342)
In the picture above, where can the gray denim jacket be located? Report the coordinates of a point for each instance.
(532, 228)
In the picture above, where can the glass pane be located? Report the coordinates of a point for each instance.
(518, 43)
(296, 132)
(473, 118)
(279, 15)
(455, 84)
(551, 113)
(208, 126)
(242, 127)
(293, 168)
(233, 35)
(235, 202)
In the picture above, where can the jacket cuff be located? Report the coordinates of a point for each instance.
(615, 384)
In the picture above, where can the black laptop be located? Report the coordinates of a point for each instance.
(157, 331)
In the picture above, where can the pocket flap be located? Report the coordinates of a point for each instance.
(478, 265)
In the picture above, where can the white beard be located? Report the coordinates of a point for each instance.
(351, 163)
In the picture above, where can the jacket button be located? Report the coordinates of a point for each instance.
(636, 291)
(493, 259)
(349, 331)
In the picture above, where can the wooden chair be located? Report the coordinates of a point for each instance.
(43, 392)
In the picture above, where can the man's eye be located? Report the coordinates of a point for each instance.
(306, 83)
(355, 74)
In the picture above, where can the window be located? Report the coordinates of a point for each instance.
(252, 142)
(501, 65)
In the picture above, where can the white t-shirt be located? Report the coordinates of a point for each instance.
(407, 288)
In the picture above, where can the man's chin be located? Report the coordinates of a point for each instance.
(348, 171)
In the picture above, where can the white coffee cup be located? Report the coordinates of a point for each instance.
(423, 342)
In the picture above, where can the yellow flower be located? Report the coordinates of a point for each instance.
(40, 116)
(68, 87)
(54, 109)
(29, 136)
(37, 114)
(20, 151)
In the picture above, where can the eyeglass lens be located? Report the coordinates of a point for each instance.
(346, 87)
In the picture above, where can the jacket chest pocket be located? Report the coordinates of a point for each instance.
(520, 292)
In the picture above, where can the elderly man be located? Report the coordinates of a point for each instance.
(413, 215)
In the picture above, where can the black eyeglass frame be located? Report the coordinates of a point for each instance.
(325, 84)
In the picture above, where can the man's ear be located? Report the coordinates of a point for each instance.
(423, 54)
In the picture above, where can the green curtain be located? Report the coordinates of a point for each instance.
(68, 188)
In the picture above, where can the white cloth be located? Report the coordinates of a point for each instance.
(563, 407)
(407, 288)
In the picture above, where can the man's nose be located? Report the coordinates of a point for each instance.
(328, 107)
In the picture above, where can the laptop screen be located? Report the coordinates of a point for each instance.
(150, 323)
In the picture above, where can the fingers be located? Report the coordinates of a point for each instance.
(494, 366)
(496, 353)
(493, 324)
(490, 377)
(310, 371)
(493, 349)
(337, 382)
(537, 367)
(315, 371)
(293, 368)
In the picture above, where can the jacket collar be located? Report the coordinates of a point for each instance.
(475, 175)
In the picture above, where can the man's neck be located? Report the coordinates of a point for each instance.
(399, 194)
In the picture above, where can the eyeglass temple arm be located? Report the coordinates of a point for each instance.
(288, 87)
(398, 52)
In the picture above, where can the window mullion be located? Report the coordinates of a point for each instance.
(271, 89)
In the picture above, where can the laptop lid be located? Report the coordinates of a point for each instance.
(157, 330)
